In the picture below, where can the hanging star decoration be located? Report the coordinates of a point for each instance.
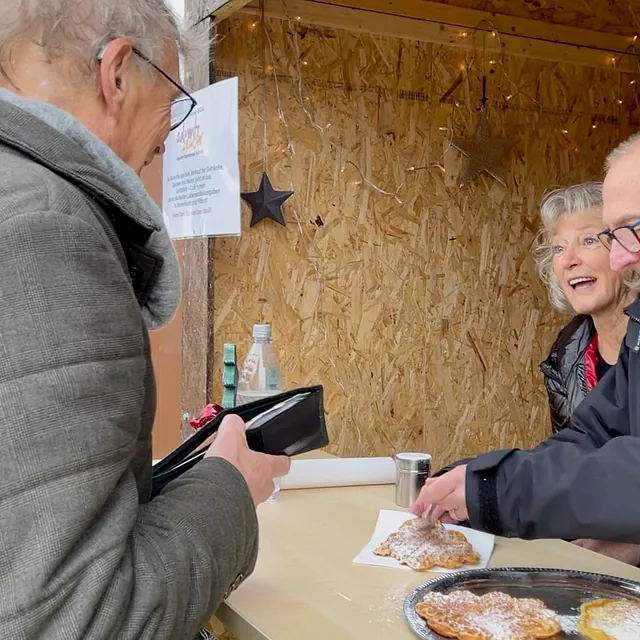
(483, 153)
(266, 202)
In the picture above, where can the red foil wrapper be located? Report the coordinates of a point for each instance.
(206, 415)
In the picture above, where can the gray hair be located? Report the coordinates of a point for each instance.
(567, 200)
(83, 28)
(621, 150)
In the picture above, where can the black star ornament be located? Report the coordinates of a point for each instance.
(483, 153)
(266, 202)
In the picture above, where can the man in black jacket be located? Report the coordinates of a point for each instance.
(581, 482)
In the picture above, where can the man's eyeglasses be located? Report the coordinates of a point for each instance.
(626, 236)
(182, 107)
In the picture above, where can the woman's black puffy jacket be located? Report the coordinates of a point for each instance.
(568, 376)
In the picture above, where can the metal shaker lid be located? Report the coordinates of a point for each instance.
(416, 462)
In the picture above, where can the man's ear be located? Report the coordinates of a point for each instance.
(115, 61)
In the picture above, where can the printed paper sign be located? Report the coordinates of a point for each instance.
(201, 176)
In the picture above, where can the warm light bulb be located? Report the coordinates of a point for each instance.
(493, 33)
(632, 82)
(463, 34)
(269, 67)
(411, 169)
(593, 126)
(510, 96)
(493, 62)
(565, 132)
(462, 66)
(619, 101)
(305, 63)
(443, 128)
(613, 59)
(298, 18)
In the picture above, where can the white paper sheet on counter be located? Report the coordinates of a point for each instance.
(339, 472)
(390, 521)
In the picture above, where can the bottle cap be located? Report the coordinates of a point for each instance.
(262, 331)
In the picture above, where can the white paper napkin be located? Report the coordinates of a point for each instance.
(390, 521)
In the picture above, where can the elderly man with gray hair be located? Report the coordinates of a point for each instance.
(88, 93)
(581, 482)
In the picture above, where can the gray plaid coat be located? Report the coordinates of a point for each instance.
(83, 552)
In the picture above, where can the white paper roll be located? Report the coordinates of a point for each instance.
(339, 472)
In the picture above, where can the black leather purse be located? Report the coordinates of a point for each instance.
(288, 424)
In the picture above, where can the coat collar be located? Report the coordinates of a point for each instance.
(632, 338)
(54, 139)
(569, 347)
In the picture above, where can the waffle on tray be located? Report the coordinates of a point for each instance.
(423, 548)
(606, 619)
(493, 616)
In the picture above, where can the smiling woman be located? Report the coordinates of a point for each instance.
(575, 267)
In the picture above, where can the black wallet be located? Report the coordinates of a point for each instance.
(288, 424)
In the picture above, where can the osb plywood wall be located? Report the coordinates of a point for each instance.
(420, 312)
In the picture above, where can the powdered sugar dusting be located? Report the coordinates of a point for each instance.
(421, 548)
(569, 624)
(620, 619)
(495, 616)
(388, 609)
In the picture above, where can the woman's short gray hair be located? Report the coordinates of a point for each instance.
(565, 201)
(82, 28)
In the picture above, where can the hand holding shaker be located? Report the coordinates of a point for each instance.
(412, 470)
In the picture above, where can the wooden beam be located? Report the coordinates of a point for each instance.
(445, 24)
(504, 24)
(221, 9)
(196, 258)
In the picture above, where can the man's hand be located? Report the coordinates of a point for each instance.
(622, 551)
(258, 469)
(447, 492)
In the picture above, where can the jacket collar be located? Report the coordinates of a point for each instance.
(633, 310)
(569, 347)
(54, 139)
(632, 338)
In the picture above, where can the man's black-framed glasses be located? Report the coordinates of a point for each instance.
(181, 108)
(626, 236)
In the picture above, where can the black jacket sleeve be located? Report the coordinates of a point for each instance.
(579, 483)
(558, 404)
(450, 466)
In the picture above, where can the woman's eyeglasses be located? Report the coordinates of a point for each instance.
(626, 236)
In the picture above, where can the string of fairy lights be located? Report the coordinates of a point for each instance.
(466, 66)
(486, 29)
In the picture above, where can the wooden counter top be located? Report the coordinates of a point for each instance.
(305, 586)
